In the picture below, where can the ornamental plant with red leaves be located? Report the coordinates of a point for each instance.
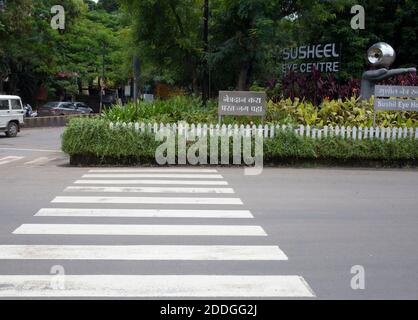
(316, 87)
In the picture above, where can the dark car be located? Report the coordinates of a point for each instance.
(62, 108)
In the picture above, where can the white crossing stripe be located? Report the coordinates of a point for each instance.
(9, 159)
(157, 182)
(211, 286)
(155, 170)
(144, 230)
(134, 252)
(144, 213)
(154, 175)
(149, 200)
(40, 161)
(36, 150)
(150, 189)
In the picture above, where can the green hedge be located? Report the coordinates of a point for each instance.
(91, 141)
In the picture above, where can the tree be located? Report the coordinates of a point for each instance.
(243, 29)
(33, 54)
(108, 5)
(167, 35)
(391, 21)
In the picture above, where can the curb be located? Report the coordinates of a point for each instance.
(54, 121)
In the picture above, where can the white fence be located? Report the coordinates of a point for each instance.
(269, 131)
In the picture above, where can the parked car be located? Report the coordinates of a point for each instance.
(11, 115)
(57, 108)
(84, 108)
(29, 113)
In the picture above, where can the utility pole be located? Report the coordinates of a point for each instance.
(137, 74)
(102, 79)
(206, 51)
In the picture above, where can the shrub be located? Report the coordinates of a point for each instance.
(316, 87)
(93, 141)
(93, 138)
(349, 112)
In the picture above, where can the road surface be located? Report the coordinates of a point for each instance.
(201, 232)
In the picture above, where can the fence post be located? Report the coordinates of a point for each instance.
(242, 130)
(382, 134)
(348, 132)
(272, 131)
(302, 130)
(400, 132)
(247, 130)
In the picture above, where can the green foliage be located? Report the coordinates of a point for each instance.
(391, 21)
(92, 141)
(247, 36)
(93, 137)
(189, 109)
(351, 112)
(167, 37)
(32, 53)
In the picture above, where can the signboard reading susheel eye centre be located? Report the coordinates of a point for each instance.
(242, 103)
(304, 59)
(408, 103)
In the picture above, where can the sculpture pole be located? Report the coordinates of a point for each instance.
(370, 78)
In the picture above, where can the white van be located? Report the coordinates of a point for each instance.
(11, 115)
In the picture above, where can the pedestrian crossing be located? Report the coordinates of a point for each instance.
(140, 230)
(178, 194)
(145, 213)
(140, 252)
(148, 200)
(156, 286)
(28, 161)
(149, 189)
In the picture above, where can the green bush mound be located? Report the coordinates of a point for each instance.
(350, 112)
(91, 141)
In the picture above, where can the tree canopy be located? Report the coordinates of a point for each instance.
(33, 54)
(243, 49)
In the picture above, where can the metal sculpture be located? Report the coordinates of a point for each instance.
(381, 55)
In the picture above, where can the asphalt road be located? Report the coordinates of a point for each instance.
(325, 221)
